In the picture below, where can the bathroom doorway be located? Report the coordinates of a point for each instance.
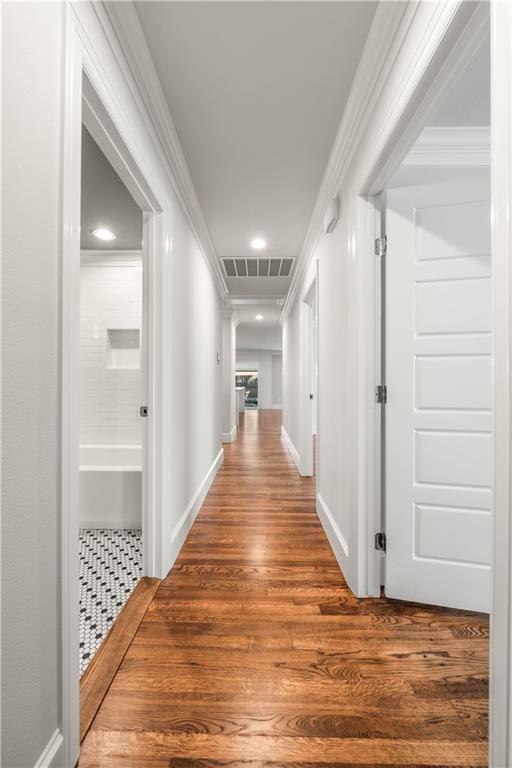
(111, 448)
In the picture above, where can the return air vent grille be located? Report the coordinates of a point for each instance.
(258, 267)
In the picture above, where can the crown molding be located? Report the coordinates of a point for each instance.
(373, 68)
(451, 146)
(381, 95)
(121, 22)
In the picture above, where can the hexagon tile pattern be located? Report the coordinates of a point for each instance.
(110, 567)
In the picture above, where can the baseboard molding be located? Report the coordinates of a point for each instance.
(277, 407)
(229, 437)
(50, 751)
(291, 448)
(336, 539)
(133, 525)
(183, 525)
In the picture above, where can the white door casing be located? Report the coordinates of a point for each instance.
(439, 379)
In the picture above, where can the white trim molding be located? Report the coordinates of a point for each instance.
(229, 437)
(121, 20)
(373, 68)
(332, 530)
(182, 527)
(290, 446)
(50, 751)
(500, 732)
(451, 146)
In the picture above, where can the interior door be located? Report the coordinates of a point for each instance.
(438, 413)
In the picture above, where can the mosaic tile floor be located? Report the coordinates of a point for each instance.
(110, 566)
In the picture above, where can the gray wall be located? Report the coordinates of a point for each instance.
(31, 66)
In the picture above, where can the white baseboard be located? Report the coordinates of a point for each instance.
(277, 407)
(292, 449)
(50, 751)
(182, 527)
(229, 437)
(332, 531)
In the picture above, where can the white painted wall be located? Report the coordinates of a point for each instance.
(229, 398)
(291, 371)
(263, 361)
(189, 331)
(259, 337)
(277, 380)
(110, 398)
(32, 80)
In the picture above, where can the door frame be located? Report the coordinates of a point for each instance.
(89, 98)
(455, 40)
(308, 296)
(412, 108)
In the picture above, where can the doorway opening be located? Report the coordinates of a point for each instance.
(309, 382)
(105, 455)
(111, 372)
(248, 380)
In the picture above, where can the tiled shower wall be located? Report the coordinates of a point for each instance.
(110, 397)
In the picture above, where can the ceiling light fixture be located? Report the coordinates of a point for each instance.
(258, 243)
(258, 317)
(103, 234)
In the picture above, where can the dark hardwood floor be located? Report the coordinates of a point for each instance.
(255, 653)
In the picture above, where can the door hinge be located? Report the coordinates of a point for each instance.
(381, 394)
(144, 410)
(380, 542)
(381, 244)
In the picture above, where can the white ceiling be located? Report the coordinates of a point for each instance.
(256, 91)
(270, 312)
(106, 203)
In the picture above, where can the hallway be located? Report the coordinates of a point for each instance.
(254, 652)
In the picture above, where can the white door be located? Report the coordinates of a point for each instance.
(438, 374)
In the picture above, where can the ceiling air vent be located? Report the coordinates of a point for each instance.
(255, 267)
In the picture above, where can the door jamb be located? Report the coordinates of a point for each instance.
(88, 97)
(308, 295)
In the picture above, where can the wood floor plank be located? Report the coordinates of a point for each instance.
(99, 674)
(254, 653)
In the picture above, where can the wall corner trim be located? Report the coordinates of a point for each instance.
(380, 48)
(50, 751)
(291, 448)
(229, 437)
(184, 524)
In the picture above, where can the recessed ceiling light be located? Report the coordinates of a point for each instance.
(258, 243)
(258, 317)
(103, 234)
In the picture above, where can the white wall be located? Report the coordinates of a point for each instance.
(291, 372)
(268, 365)
(110, 398)
(229, 400)
(32, 81)
(188, 375)
(263, 337)
(277, 379)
